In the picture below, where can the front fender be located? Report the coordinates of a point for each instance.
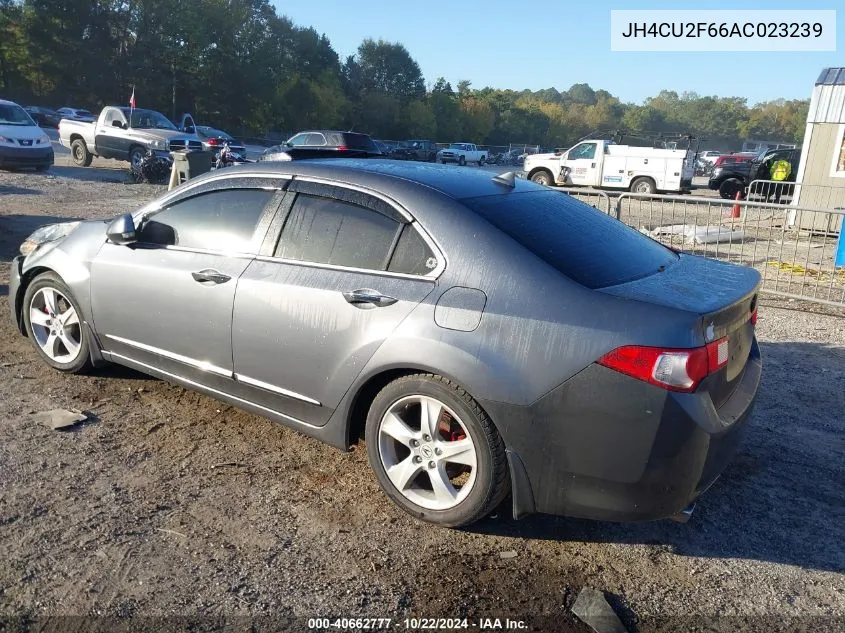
(70, 258)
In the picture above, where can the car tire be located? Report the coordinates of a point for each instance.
(42, 168)
(462, 161)
(136, 153)
(542, 177)
(62, 344)
(432, 158)
(481, 162)
(462, 437)
(643, 185)
(729, 187)
(79, 153)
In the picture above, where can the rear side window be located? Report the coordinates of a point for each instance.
(412, 255)
(584, 244)
(328, 231)
(358, 141)
(218, 221)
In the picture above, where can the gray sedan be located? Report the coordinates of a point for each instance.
(486, 336)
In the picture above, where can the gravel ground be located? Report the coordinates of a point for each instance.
(167, 504)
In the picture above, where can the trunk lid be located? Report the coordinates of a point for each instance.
(724, 296)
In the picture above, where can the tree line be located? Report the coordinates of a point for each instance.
(239, 65)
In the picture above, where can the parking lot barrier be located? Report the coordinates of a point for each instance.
(795, 249)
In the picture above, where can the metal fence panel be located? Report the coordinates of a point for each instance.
(594, 197)
(794, 262)
(808, 196)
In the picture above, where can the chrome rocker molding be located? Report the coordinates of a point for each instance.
(206, 366)
(155, 371)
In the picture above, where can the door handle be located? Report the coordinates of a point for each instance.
(367, 295)
(209, 275)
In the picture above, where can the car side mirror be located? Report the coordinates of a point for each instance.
(121, 230)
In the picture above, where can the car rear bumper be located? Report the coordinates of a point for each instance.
(608, 447)
(26, 156)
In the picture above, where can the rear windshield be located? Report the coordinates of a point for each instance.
(353, 141)
(584, 244)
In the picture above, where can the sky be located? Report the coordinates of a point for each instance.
(518, 44)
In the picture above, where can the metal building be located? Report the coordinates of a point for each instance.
(821, 172)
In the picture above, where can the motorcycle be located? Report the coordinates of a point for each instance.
(153, 169)
(703, 168)
(227, 157)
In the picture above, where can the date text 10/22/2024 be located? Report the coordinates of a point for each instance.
(416, 624)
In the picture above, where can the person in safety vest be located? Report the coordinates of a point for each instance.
(779, 171)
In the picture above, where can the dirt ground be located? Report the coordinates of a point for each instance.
(168, 511)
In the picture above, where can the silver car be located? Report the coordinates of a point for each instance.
(486, 335)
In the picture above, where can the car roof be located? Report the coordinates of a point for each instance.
(390, 176)
(331, 132)
(5, 102)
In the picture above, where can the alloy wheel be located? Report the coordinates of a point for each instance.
(55, 325)
(427, 452)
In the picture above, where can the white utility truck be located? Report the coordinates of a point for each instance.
(604, 164)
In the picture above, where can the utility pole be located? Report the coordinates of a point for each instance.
(173, 96)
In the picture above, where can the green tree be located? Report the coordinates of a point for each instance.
(384, 67)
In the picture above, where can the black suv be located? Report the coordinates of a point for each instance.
(730, 178)
(323, 144)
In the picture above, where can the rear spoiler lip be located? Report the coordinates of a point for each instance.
(721, 322)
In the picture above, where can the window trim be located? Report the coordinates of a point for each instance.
(207, 184)
(284, 209)
(838, 149)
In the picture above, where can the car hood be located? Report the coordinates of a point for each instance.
(23, 132)
(167, 135)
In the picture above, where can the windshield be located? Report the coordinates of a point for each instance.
(586, 245)
(148, 120)
(84, 112)
(11, 114)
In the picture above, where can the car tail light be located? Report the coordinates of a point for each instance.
(342, 147)
(754, 317)
(671, 369)
(212, 141)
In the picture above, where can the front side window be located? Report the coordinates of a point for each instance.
(584, 150)
(329, 231)
(222, 220)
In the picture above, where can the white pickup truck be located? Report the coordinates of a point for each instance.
(462, 153)
(603, 164)
(123, 134)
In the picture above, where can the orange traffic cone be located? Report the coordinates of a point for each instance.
(735, 208)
